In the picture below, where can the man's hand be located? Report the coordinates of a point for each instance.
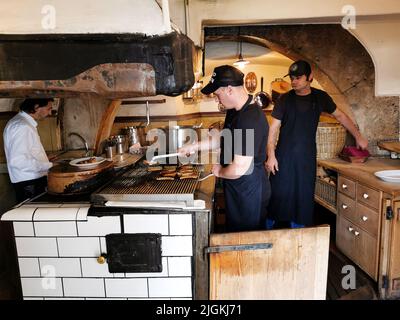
(188, 149)
(362, 143)
(271, 165)
(216, 170)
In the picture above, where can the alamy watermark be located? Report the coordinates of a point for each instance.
(349, 280)
(349, 18)
(49, 17)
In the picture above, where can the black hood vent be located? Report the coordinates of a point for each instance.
(109, 65)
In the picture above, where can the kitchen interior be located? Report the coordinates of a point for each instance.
(125, 85)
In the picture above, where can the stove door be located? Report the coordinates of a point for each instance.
(134, 252)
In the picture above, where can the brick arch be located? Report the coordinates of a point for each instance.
(341, 64)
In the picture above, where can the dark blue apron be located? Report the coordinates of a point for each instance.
(246, 198)
(293, 186)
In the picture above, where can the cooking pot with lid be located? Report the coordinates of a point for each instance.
(136, 134)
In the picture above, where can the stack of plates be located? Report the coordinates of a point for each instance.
(389, 175)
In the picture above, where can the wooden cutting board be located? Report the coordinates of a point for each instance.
(64, 178)
(295, 267)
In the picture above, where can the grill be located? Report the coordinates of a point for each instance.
(140, 185)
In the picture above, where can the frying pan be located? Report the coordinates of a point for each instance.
(262, 99)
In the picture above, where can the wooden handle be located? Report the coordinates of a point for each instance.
(105, 125)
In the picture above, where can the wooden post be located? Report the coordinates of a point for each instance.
(105, 125)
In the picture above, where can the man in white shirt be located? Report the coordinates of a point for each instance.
(27, 161)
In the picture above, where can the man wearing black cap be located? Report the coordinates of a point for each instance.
(293, 162)
(243, 143)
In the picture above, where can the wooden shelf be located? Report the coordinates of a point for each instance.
(393, 146)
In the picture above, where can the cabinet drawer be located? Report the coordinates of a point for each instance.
(368, 196)
(347, 207)
(367, 219)
(347, 186)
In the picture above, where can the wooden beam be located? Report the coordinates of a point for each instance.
(106, 125)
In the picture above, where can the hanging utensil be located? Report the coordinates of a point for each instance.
(262, 99)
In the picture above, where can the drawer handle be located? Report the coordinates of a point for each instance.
(351, 229)
(344, 186)
(365, 196)
(364, 218)
(344, 206)
(356, 233)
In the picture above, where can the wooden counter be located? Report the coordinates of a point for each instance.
(367, 221)
(364, 172)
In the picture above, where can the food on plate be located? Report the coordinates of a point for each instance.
(90, 160)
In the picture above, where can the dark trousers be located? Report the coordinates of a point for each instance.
(30, 188)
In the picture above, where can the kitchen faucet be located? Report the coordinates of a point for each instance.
(83, 140)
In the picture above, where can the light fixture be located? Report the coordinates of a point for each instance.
(240, 63)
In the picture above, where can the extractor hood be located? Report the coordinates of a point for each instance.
(110, 65)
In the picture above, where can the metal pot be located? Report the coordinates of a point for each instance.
(177, 136)
(262, 98)
(136, 134)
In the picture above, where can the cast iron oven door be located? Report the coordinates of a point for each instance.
(134, 252)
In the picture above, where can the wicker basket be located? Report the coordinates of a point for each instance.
(325, 193)
(330, 140)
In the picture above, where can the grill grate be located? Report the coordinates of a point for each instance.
(140, 185)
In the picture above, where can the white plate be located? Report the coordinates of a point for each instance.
(389, 175)
(87, 165)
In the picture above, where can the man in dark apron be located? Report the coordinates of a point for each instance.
(293, 164)
(243, 143)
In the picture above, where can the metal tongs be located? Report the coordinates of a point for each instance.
(155, 158)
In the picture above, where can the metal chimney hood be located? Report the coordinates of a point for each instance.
(110, 65)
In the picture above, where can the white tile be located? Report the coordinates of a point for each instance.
(103, 245)
(143, 223)
(23, 229)
(82, 214)
(99, 226)
(82, 287)
(33, 298)
(179, 266)
(126, 288)
(28, 267)
(55, 229)
(177, 246)
(164, 272)
(148, 299)
(60, 267)
(64, 298)
(170, 287)
(181, 299)
(41, 287)
(106, 299)
(180, 224)
(79, 247)
(91, 268)
(36, 247)
(55, 214)
(19, 214)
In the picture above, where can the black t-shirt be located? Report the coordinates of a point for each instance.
(241, 129)
(323, 101)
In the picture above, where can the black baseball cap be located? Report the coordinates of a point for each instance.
(299, 68)
(223, 76)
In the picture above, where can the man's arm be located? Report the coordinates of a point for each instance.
(236, 169)
(361, 142)
(272, 164)
(211, 143)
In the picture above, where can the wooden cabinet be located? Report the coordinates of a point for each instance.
(368, 220)
(357, 232)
